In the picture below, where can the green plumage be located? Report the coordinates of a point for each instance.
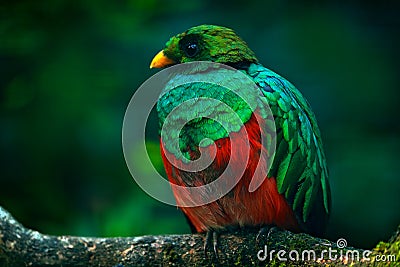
(209, 39)
(299, 165)
(209, 119)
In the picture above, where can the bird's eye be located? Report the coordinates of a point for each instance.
(191, 49)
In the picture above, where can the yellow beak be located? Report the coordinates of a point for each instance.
(160, 61)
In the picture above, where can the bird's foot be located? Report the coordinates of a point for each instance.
(265, 230)
(211, 241)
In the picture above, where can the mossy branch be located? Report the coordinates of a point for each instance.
(20, 246)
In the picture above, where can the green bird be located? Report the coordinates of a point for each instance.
(295, 193)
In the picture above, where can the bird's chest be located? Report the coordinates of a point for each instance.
(194, 115)
(236, 162)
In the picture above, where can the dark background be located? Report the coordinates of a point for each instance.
(68, 71)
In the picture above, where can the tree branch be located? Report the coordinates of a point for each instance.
(20, 246)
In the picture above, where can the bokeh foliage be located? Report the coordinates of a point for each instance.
(68, 70)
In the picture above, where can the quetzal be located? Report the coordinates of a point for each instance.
(296, 193)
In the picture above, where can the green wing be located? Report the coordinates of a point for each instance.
(299, 164)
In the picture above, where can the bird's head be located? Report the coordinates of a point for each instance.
(205, 43)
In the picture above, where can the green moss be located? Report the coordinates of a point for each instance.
(170, 254)
(388, 249)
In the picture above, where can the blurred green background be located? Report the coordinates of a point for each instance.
(68, 70)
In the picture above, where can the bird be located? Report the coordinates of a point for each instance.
(295, 193)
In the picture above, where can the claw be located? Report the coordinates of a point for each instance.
(263, 230)
(211, 238)
(266, 229)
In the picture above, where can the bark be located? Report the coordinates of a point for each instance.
(20, 246)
